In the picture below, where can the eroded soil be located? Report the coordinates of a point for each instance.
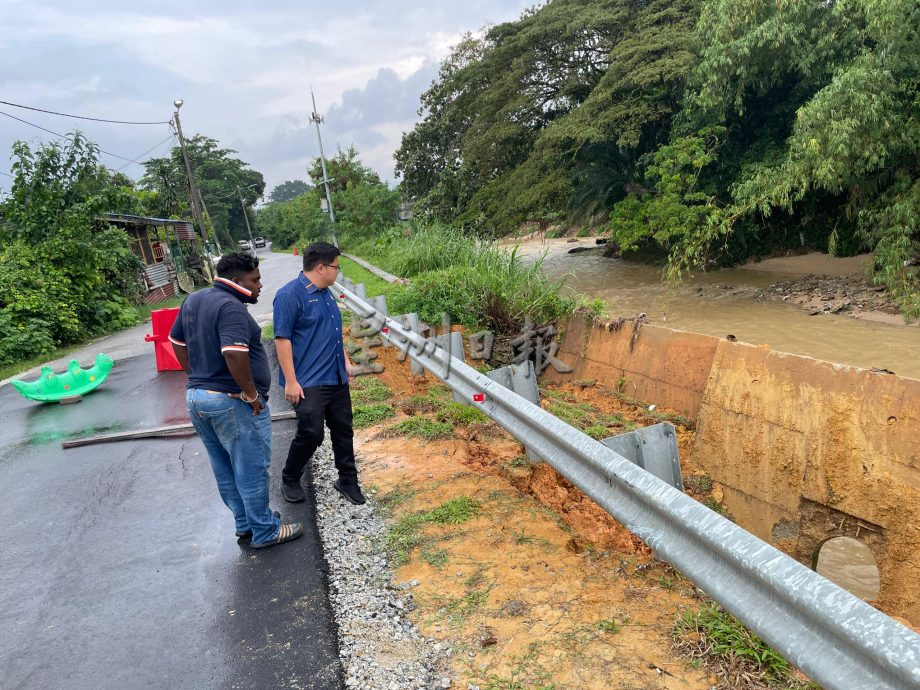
(540, 588)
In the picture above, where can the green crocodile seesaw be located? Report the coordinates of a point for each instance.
(51, 387)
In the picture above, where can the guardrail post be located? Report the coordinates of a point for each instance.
(360, 291)
(410, 322)
(653, 448)
(454, 345)
(522, 379)
(380, 304)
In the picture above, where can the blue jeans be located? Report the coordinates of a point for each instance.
(239, 445)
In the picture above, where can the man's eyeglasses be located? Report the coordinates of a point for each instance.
(335, 266)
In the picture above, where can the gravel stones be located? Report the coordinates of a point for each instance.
(378, 647)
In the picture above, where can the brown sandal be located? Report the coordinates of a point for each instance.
(285, 533)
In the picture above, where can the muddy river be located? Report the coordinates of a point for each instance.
(723, 302)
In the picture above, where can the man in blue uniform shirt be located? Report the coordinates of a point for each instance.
(314, 371)
(219, 344)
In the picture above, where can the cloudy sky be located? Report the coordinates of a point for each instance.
(244, 70)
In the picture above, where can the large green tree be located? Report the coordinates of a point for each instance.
(838, 155)
(218, 175)
(288, 190)
(548, 114)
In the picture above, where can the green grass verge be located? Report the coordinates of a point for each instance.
(422, 427)
(369, 389)
(373, 284)
(458, 414)
(721, 640)
(405, 534)
(364, 416)
(143, 314)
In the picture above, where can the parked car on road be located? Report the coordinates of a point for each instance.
(259, 241)
(244, 245)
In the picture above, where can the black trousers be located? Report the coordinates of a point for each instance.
(330, 405)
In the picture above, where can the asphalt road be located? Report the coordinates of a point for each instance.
(120, 568)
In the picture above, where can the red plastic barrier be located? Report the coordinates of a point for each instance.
(162, 321)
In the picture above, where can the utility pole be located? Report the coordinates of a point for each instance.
(194, 195)
(207, 216)
(316, 119)
(246, 218)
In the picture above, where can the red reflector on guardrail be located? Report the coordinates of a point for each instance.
(479, 397)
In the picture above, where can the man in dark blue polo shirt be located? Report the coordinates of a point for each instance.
(314, 371)
(219, 344)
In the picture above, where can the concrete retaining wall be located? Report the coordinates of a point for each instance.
(804, 450)
(649, 362)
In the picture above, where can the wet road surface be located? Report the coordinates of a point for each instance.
(120, 564)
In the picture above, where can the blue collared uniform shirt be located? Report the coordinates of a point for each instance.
(311, 320)
(211, 323)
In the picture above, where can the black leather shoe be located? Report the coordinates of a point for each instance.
(248, 533)
(292, 491)
(351, 491)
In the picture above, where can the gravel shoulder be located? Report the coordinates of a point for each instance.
(380, 647)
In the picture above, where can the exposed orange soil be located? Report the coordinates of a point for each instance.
(542, 587)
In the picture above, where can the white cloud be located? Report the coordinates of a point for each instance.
(244, 70)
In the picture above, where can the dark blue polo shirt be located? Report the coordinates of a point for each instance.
(311, 320)
(214, 321)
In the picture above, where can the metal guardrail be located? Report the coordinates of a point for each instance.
(836, 638)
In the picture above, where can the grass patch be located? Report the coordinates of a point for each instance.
(587, 418)
(373, 284)
(699, 483)
(526, 673)
(717, 507)
(397, 496)
(459, 414)
(611, 625)
(436, 558)
(422, 427)
(519, 461)
(454, 511)
(268, 332)
(474, 281)
(369, 389)
(405, 534)
(370, 414)
(420, 404)
(742, 659)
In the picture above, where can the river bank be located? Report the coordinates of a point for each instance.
(810, 304)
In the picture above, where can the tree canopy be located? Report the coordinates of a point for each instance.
(218, 175)
(288, 190)
(363, 205)
(707, 130)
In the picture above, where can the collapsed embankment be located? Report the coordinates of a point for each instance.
(803, 450)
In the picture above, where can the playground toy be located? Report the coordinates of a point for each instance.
(73, 383)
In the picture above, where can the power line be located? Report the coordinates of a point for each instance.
(169, 138)
(83, 117)
(67, 136)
